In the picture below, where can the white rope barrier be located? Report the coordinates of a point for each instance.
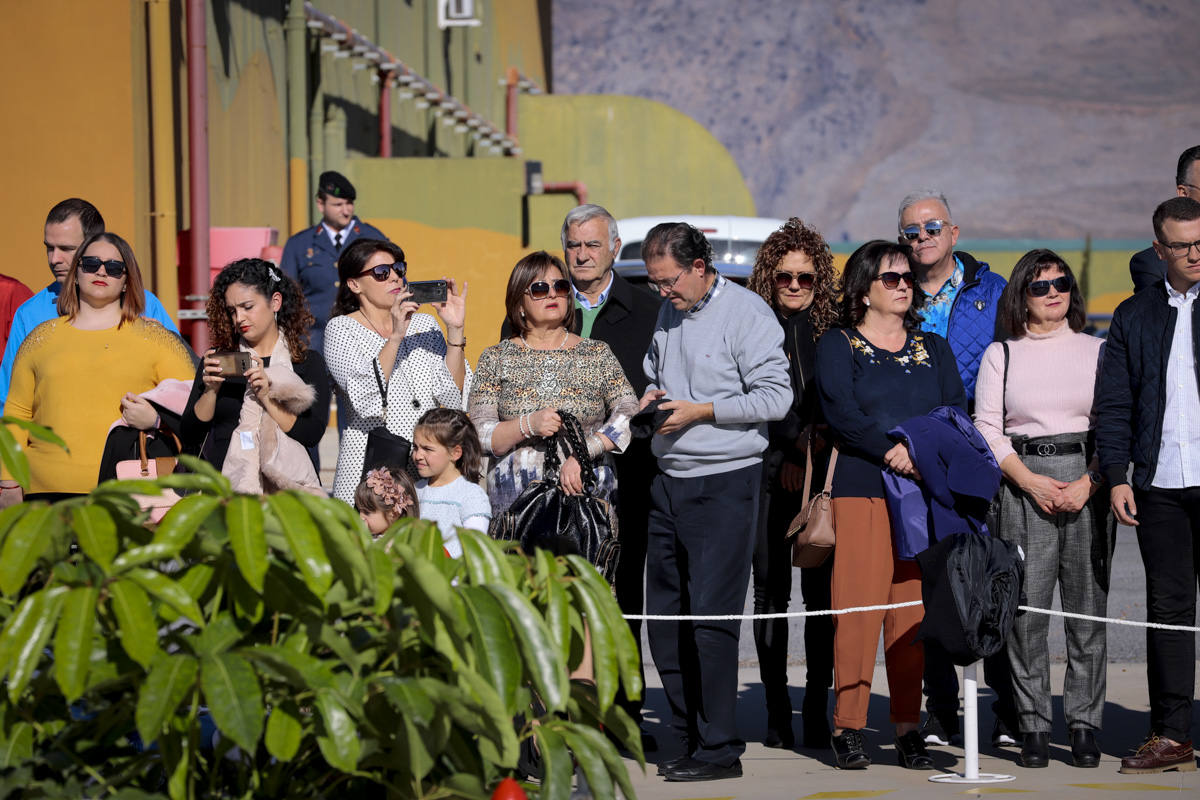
(857, 609)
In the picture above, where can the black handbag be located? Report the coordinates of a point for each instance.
(384, 448)
(544, 516)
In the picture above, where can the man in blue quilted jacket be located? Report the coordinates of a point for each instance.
(962, 297)
(962, 293)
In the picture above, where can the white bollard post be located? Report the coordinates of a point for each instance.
(971, 736)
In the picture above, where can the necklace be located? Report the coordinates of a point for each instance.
(372, 324)
(566, 334)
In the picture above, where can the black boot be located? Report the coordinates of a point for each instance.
(850, 749)
(1035, 750)
(816, 723)
(1084, 750)
(911, 752)
(779, 719)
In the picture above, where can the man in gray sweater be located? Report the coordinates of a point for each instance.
(716, 362)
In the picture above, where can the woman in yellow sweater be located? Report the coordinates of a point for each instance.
(78, 373)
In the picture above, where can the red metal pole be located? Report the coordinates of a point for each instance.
(197, 77)
(510, 104)
(577, 188)
(385, 115)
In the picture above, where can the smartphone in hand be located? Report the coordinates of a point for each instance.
(428, 291)
(234, 363)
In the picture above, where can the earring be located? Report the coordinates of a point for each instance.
(867, 302)
(276, 317)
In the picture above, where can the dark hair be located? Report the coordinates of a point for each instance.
(1013, 311)
(133, 299)
(796, 237)
(351, 263)
(293, 318)
(860, 272)
(89, 216)
(366, 500)
(684, 243)
(1186, 158)
(525, 272)
(452, 428)
(1181, 209)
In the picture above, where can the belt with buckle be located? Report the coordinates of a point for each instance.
(1051, 449)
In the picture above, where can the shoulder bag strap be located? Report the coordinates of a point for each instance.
(382, 388)
(1004, 392)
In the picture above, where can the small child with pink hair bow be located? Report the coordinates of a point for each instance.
(385, 496)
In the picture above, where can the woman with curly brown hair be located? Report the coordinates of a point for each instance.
(794, 273)
(256, 423)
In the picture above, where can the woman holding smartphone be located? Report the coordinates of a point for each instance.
(255, 425)
(391, 364)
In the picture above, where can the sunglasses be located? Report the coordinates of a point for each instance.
(383, 271)
(540, 290)
(932, 227)
(891, 280)
(112, 267)
(1061, 284)
(806, 280)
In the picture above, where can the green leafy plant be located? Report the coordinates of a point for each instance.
(268, 647)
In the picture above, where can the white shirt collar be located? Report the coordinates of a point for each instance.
(1180, 299)
(582, 298)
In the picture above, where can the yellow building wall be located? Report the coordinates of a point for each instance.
(68, 102)
(637, 157)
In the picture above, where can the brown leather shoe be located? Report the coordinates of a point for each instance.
(1159, 755)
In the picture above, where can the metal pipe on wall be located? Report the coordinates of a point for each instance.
(198, 186)
(297, 90)
(385, 115)
(162, 157)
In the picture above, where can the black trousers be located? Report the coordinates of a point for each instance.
(772, 571)
(1169, 537)
(636, 468)
(700, 539)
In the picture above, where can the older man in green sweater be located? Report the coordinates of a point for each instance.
(716, 362)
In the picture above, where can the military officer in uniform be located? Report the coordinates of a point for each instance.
(311, 255)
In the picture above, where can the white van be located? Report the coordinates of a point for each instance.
(735, 242)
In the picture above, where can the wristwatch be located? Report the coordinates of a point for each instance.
(1095, 477)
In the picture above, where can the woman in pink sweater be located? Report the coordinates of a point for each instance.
(1034, 405)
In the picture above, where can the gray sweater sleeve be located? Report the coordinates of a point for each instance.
(767, 386)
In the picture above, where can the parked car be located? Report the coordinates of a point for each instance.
(735, 242)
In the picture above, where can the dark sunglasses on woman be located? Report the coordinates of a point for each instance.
(112, 267)
(1061, 284)
(540, 290)
(891, 280)
(805, 280)
(382, 271)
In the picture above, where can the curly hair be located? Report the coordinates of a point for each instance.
(293, 319)
(795, 236)
(862, 268)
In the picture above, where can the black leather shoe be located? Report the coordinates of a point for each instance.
(666, 766)
(779, 730)
(1084, 750)
(850, 750)
(911, 752)
(1035, 750)
(693, 770)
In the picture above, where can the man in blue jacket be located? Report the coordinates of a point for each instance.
(1148, 413)
(311, 255)
(68, 225)
(962, 296)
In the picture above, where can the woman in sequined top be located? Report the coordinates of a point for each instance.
(871, 375)
(522, 383)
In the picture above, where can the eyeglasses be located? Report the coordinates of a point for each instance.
(891, 280)
(1180, 248)
(806, 280)
(933, 227)
(1062, 285)
(666, 286)
(112, 267)
(540, 290)
(381, 272)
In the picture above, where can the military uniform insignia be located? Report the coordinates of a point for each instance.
(310, 252)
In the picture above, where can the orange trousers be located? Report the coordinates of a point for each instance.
(866, 572)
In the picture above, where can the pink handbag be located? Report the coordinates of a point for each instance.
(143, 468)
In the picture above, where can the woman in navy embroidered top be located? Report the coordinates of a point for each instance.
(878, 371)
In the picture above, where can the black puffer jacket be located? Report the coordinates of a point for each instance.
(1132, 391)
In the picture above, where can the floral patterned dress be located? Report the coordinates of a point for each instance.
(512, 379)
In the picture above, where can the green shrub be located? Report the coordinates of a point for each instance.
(333, 665)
